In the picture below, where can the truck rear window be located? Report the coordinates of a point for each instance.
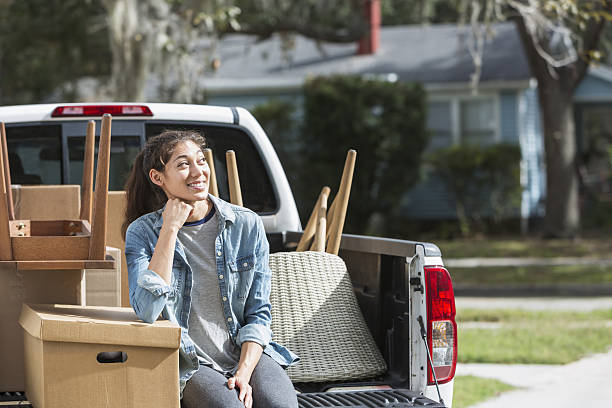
(257, 191)
(123, 151)
(35, 154)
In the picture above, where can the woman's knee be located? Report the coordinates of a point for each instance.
(272, 388)
(208, 388)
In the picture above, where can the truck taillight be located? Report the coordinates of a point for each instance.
(100, 110)
(441, 325)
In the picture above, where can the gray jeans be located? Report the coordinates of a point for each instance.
(271, 388)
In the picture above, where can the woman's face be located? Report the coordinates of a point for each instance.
(186, 174)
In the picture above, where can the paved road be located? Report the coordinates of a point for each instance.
(583, 303)
(584, 383)
(496, 262)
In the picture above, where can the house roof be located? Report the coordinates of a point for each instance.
(432, 54)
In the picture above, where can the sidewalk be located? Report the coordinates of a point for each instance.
(584, 383)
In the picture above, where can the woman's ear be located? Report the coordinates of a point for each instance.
(156, 177)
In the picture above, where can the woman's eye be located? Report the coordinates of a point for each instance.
(181, 164)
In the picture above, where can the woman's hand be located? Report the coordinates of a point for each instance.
(246, 391)
(176, 213)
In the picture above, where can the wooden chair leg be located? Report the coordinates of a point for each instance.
(311, 226)
(212, 182)
(318, 243)
(233, 179)
(88, 165)
(7, 174)
(337, 223)
(97, 244)
(6, 248)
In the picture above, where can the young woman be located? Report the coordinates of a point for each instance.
(203, 264)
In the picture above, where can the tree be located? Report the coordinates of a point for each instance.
(561, 38)
(557, 83)
(176, 40)
(47, 45)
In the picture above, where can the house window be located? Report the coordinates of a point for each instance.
(439, 124)
(478, 121)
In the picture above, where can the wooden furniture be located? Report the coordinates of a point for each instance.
(232, 178)
(324, 228)
(62, 244)
(212, 179)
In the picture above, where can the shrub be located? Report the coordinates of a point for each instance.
(277, 118)
(484, 181)
(385, 122)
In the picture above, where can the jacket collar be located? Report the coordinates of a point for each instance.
(223, 208)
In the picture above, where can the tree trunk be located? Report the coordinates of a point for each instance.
(130, 51)
(562, 218)
(556, 88)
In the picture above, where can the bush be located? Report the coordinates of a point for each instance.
(484, 181)
(277, 119)
(385, 123)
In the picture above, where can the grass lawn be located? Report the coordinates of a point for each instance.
(598, 247)
(531, 337)
(533, 275)
(470, 390)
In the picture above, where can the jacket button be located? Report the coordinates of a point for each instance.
(220, 276)
(224, 299)
(245, 264)
(229, 319)
(218, 253)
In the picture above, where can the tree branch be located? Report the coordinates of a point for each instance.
(340, 35)
(590, 41)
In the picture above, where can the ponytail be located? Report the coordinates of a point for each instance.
(142, 196)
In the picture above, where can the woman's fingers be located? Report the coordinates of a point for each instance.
(176, 212)
(248, 400)
(245, 394)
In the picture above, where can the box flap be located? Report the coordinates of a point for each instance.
(98, 325)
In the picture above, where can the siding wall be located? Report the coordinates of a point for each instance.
(429, 199)
(532, 149)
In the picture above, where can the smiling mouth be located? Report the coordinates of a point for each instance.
(197, 184)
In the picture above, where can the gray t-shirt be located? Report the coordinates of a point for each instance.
(207, 327)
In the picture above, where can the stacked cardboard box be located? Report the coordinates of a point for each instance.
(23, 286)
(99, 357)
(103, 286)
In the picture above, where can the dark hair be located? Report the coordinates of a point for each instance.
(142, 196)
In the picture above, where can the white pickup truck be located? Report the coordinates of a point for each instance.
(403, 290)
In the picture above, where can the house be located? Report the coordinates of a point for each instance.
(503, 109)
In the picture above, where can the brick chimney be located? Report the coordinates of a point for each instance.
(370, 41)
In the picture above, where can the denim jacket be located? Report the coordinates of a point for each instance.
(241, 251)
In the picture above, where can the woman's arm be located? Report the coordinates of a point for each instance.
(175, 214)
(150, 274)
(249, 357)
(257, 308)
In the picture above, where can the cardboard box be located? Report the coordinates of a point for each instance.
(47, 202)
(98, 357)
(103, 286)
(116, 211)
(17, 287)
